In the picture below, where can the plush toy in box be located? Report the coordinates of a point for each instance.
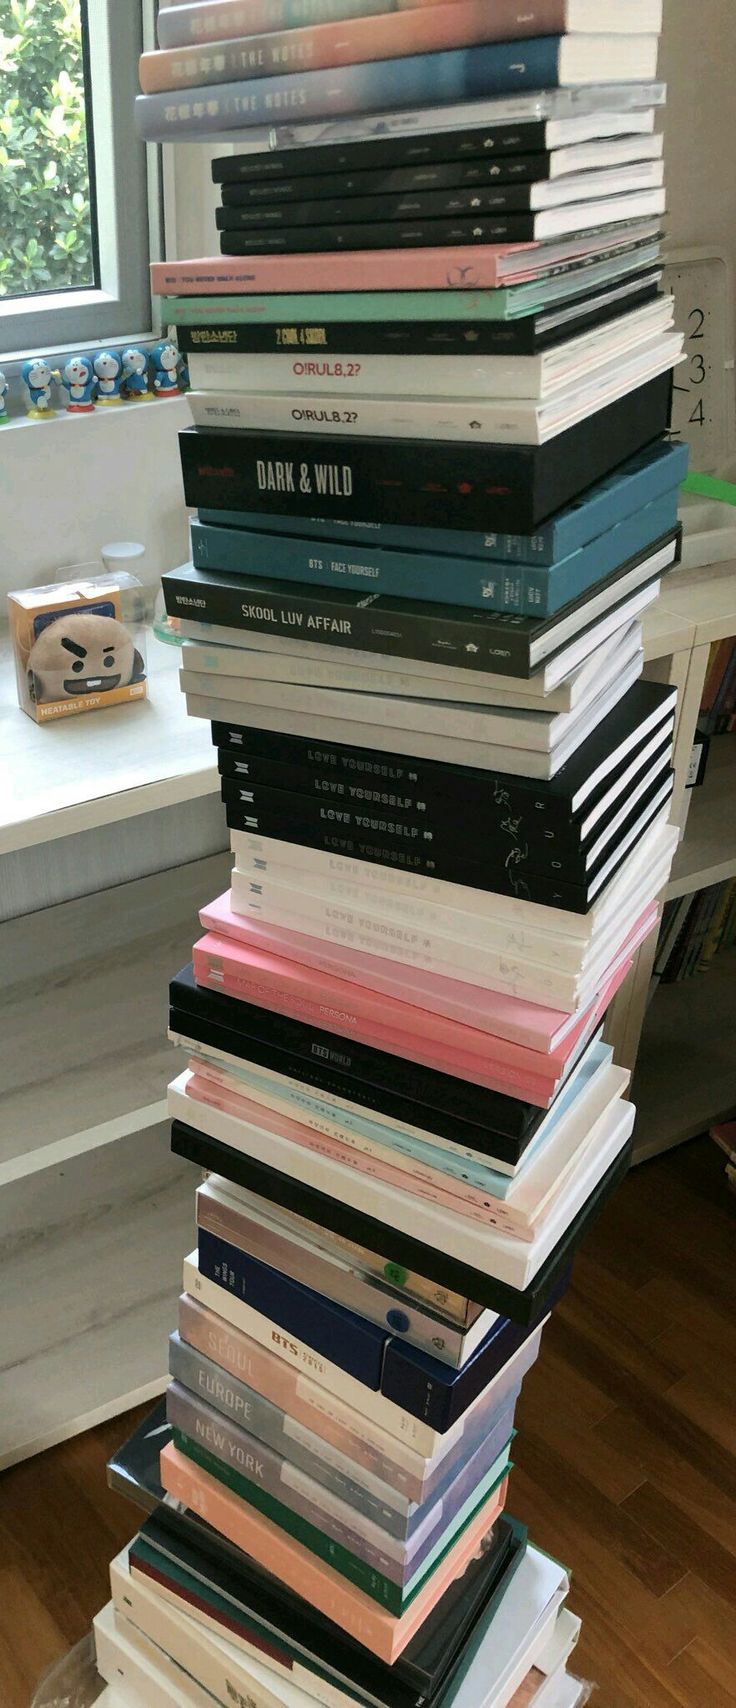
(79, 646)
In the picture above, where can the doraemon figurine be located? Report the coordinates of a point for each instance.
(80, 384)
(81, 652)
(165, 362)
(135, 373)
(4, 389)
(108, 367)
(37, 376)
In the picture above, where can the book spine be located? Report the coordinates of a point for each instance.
(129, 1663)
(468, 175)
(219, 20)
(314, 1268)
(414, 81)
(462, 1241)
(404, 575)
(311, 1529)
(437, 483)
(345, 1438)
(365, 307)
(234, 1274)
(262, 608)
(174, 1633)
(543, 592)
(455, 136)
(456, 203)
(324, 239)
(327, 46)
(215, 971)
(550, 842)
(439, 1094)
(330, 1330)
(384, 840)
(309, 1189)
(350, 1609)
(362, 338)
(424, 939)
(233, 378)
(394, 1164)
(490, 423)
(446, 542)
(293, 1501)
(229, 1397)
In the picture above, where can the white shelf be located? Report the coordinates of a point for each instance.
(89, 1288)
(84, 1058)
(707, 853)
(686, 1068)
(101, 767)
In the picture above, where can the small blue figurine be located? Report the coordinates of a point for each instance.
(4, 389)
(165, 361)
(80, 384)
(37, 376)
(108, 367)
(135, 373)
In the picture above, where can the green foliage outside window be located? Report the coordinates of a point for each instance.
(45, 216)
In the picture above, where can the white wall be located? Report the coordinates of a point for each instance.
(70, 485)
(698, 61)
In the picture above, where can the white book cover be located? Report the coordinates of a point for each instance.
(265, 854)
(144, 1674)
(527, 731)
(339, 903)
(240, 1653)
(494, 1254)
(505, 1645)
(479, 751)
(218, 1667)
(342, 374)
(553, 1167)
(526, 422)
(224, 652)
(602, 153)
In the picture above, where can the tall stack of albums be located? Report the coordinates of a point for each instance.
(431, 371)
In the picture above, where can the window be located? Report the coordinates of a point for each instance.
(76, 184)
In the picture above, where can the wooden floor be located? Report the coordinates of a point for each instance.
(625, 1466)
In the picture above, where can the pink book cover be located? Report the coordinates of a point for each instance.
(458, 269)
(550, 1031)
(320, 1585)
(270, 981)
(218, 20)
(359, 270)
(415, 1178)
(390, 35)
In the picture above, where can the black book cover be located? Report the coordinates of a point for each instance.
(529, 336)
(551, 808)
(551, 847)
(488, 1121)
(459, 232)
(421, 1672)
(326, 184)
(527, 1305)
(457, 203)
(493, 642)
(529, 137)
(428, 483)
(389, 839)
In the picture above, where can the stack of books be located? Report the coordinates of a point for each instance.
(434, 499)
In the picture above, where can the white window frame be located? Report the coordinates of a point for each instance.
(129, 217)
